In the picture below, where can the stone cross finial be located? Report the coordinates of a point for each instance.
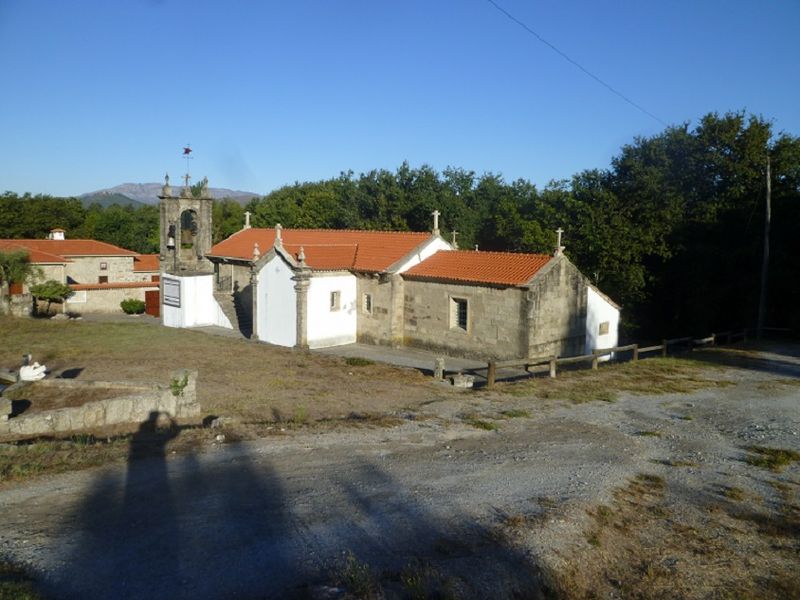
(247, 219)
(204, 188)
(187, 191)
(301, 257)
(278, 230)
(559, 247)
(256, 251)
(436, 214)
(166, 190)
(455, 243)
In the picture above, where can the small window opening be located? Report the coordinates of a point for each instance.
(603, 330)
(367, 304)
(335, 301)
(459, 315)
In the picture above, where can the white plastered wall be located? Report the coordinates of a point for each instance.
(328, 327)
(422, 252)
(198, 306)
(276, 311)
(599, 310)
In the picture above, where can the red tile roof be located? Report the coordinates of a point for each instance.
(113, 285)
(500, 268)
(66, 248)
(35, 256)
(327, 249)
(146, 263)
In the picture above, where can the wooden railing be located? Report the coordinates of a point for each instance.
(553, 362)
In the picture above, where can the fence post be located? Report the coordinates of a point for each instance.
(635, 352)
(553, 366)
(491, 374)
(664, 349)
(594, 362)
(713, 339)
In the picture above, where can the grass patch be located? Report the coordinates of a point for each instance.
(733, 493)
(774, 459)
(481, 423)
(672, 462)
(515, 413)
(648, 433)
(16, 583)
(357, 577)
(651, 376)
(356, 361)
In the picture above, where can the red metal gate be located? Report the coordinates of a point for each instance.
(152, 303)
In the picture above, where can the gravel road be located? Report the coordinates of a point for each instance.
(275, 517)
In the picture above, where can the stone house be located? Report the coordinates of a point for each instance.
(101, 275)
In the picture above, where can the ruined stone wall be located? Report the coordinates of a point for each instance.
(556, 311)
(178, 400)
(495, 319)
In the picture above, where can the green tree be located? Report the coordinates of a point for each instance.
(52, 291)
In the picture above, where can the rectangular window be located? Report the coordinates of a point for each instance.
(459, 313)
(335, 300)
(103, 266)
(603, 328)
(102, 279)
(367, 304)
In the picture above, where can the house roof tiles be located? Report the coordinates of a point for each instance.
(35, 256)
(327, 249)
(496, 268)
(67, 248)
(146, 263)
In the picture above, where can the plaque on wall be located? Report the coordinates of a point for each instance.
(172, 292)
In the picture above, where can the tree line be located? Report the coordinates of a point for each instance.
(673, 230)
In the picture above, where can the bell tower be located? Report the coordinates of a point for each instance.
(185, 229)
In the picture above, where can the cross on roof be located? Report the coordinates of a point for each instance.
(436, 214)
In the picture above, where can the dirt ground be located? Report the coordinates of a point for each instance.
(687, 485)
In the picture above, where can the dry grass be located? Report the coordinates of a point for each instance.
(642, 547)
(16, 583)
(237, 378)
(774, 459)
(651, 376)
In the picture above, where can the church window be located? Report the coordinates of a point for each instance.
(367, 304)
(335, 301)
(103, 266)
(459, 315)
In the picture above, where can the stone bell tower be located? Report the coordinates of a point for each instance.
(185, 230)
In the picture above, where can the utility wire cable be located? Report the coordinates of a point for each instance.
(575, 63)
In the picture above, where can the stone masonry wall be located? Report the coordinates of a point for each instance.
(556, 310)
(86, 269)
(495, 327)
(134, 407)
(104, 300)
(374, 328)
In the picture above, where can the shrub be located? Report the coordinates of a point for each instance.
(132, 306)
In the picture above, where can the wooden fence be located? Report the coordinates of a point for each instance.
(684, 343)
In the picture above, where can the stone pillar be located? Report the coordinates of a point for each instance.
(254, 308)
(302, 279)
(396, 310)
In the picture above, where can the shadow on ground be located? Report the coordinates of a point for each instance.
(231, 526)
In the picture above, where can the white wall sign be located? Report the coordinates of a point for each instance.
(172, 292)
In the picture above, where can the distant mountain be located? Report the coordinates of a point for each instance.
(147, 193)
(106, 199)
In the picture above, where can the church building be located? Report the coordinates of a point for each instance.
(314, 288)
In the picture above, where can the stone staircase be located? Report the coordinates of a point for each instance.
(240, 318)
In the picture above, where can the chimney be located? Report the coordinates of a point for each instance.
(57, 234)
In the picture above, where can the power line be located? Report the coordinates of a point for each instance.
(575, 63)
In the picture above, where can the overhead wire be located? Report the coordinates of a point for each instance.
(575, 63)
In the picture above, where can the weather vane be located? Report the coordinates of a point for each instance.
(187, 154)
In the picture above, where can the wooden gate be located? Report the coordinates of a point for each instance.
(152, 303)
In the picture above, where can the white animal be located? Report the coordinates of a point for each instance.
(33, 372)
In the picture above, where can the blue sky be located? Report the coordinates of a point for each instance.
(97, 93)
